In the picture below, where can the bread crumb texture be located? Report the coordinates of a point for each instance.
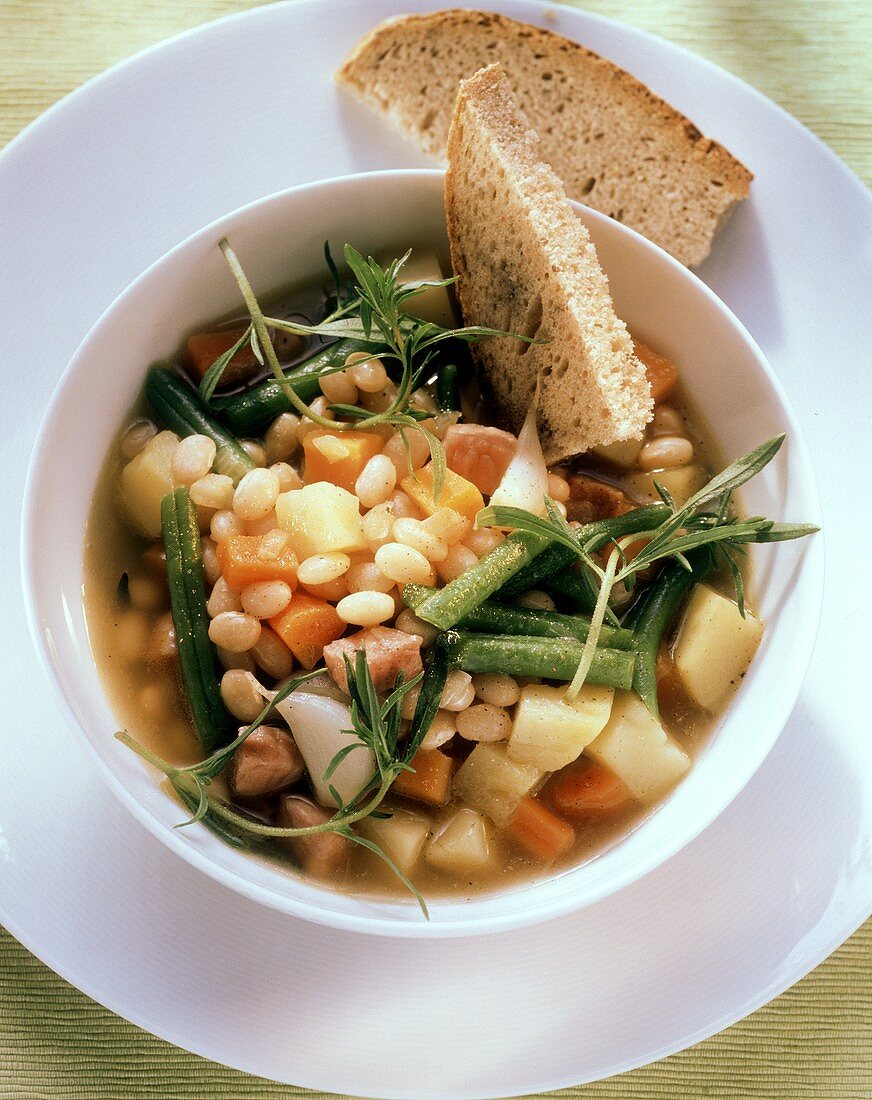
(616, 146)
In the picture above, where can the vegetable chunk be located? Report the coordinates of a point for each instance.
(480, 454)
(146, 480)
(388, 653)
(430, 782)
(493, 783)
(457, 493)
(321, 518)
(244, 560)
(638, 750)
(715, 646)
(540, 833)
(461, 845)
(306, 625)
(338, 457)
(401, 836)
(549, 732)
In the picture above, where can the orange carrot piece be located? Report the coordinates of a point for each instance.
(306, 625)
(245, 559)
(662, 374)
(579, 789)
(430, 782)
(457, 492)
(339, 457)
(539, 832)
(203, 348)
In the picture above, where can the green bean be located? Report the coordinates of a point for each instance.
(499, 618)
(550, 658)
(198, 659)
(651, 616)
(594, 535)
(573, 589)
(250, 410)
(448, 388)
(178, 407)
(452, 603)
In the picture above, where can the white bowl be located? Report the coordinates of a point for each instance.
(279, 238)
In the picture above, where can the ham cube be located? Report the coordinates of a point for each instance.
(480, 454)
(388, 653)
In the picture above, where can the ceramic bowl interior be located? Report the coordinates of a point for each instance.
(280, 239)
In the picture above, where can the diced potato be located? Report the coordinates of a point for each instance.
(321, 518)
(401, 836)
(146, 480)
(682, 483)
(638, 750)
(433, 304)
(461, 844)
(549, 733)
(494, 784)
(715, 646)
(624, 453)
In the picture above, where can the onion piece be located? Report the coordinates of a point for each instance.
(525, 482)
(321, 727)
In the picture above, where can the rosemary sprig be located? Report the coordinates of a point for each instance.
(685, 529)
(377, 313)
(377, 725)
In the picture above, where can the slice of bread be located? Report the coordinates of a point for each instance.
(525, 264)
(616, 146)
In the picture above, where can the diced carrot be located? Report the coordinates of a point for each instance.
(339, 457)
(203, 348)
(430, 782)
(584, 787)
(479, 453)
(306, 625)
(539, 832)
(457, 492)
(245, 559)
(662, 374)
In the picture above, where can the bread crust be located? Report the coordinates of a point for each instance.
(616, 145)
(525, 264)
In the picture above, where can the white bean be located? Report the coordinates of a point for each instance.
(212, 490)
(447, 525)
(366, 608)
(442, 729)
(417, 455)
(272, 655)
(409, 623)
(254, 450)
(376, 482)
(223, 598)
(410, 701)
(224, 524)
(146, 593)
(666, 452)
(256, 495)
(379, 400)
(666, 421)
(484, 722)
(369, 375)
(483, 541)
(378, 525)
(338, 388)
(496, 688)
(458, 560)
(193, 459)
(230, 660)
(263, 526)
(211, 564)
(330, 590)
(403, 564)
(367, 577)
(240, 696)
(234, 631)
(458, 692)
(288, 477)
(558, 488)
(281, 437)
(403, 506)
(323, 568)
(535, 600)
(264, 599)
(136, 437)
(411, 532)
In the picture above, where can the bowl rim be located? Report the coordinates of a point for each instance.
(369, 923)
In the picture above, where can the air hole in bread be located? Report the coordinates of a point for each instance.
(428, 119)
(588, 186)
(532, 323)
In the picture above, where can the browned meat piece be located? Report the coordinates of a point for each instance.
(323, 855)
(388, 652)
(267, 761)
(590, 499)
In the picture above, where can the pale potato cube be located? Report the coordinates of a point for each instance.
(624, 453)
(461, 844)
(401, 836)
(434, 303)
(146, 480)
(492, 783)
(715, 645)
(638, 750)
(321, 518)
(681, 483)
(549, 732)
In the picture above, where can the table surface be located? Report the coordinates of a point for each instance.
(815, 1040)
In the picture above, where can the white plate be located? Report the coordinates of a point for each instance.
(90, 195)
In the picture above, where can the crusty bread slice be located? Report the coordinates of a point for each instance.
(616, 146)
(525, 264)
